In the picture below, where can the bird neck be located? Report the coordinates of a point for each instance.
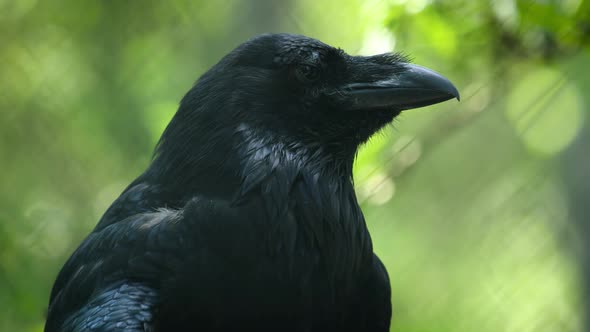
(232, 163)
(274, 163)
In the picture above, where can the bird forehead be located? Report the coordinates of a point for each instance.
(303, 43)
(270, 50)
(294, 47)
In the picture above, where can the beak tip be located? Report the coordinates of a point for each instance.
(456, 93)
(451, 89)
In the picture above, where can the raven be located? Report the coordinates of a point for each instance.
(246, 218)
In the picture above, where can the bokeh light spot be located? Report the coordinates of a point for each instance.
(545, 109)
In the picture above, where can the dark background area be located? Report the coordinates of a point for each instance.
(479, 209)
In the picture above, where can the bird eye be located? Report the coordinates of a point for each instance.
(307, 73)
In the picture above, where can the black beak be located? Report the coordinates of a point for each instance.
(412, 86)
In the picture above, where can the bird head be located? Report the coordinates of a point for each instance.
(300, 93)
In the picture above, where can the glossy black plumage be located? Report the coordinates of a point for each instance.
(247, 218)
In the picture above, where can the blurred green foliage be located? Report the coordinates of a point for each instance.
(465, 201)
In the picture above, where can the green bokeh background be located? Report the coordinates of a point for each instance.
(477, 208)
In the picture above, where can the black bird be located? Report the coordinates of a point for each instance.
(246, 219)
